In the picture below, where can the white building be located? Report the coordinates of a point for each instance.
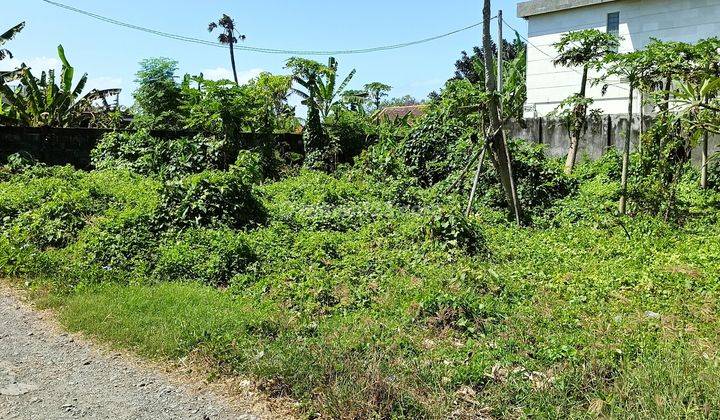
(635, 21)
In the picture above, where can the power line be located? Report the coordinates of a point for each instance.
(260, 49)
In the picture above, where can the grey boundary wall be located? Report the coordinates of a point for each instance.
(601, 135)
(72, 146)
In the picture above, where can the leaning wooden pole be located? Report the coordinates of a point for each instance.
(497, 145)
(475, 182)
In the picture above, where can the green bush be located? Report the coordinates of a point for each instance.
(540, 181)
(144, 154)
(211, 257)
(431, 146)
(454, 230)
(209, 199)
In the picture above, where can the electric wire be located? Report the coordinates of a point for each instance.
(261, 49)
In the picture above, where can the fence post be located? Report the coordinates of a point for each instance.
(540, 130)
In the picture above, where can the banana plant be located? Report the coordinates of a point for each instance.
(38, 102)
(327, 88)
(7, 36)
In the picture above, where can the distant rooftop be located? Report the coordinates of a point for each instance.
(394, 112)
(527, 9)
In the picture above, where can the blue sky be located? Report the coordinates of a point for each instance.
(110, 54)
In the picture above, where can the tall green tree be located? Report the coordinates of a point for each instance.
(377, 91)
(631, 67)
(229, 36)
(158, 98)
(584, 49)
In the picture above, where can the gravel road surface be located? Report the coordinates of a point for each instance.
(48, 374)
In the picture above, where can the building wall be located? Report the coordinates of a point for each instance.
(640, 20)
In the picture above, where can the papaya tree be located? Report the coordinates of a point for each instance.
(632, 68)
(376, 91)
(229, 37)
(585, 49)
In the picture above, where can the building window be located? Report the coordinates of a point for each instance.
(613, 23)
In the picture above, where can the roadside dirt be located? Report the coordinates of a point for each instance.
(46, 373)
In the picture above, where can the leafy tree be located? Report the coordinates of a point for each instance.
(42, 102)
(406, 100)
(7, 36)
(226, 109)
(583, 49)
(227, 37)
(355, 100)
(472, 67)
(276, 89)
(377, 91)
(680, 80)
(159, 96)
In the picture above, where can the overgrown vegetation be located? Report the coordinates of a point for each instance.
(354, 282)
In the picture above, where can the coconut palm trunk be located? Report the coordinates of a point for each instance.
(232, 60)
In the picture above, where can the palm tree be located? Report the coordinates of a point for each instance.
(227, 37)
(7, 36)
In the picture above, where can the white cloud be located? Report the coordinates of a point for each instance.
(222, 73)
(37, 64)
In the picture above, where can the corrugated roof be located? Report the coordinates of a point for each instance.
(393, 112)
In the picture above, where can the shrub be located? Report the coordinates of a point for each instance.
(349, 131)
(249, 167)
(454, 230)
(208, 199)
(122, 239)
(211, 257)
(431, 145)
(144, 154)
(540, 180)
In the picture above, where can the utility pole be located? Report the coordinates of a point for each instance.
(500, 52)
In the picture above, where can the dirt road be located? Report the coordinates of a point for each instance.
(47, 374)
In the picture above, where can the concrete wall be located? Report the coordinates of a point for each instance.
(600, 136)
(640, 20)
(72, 146)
